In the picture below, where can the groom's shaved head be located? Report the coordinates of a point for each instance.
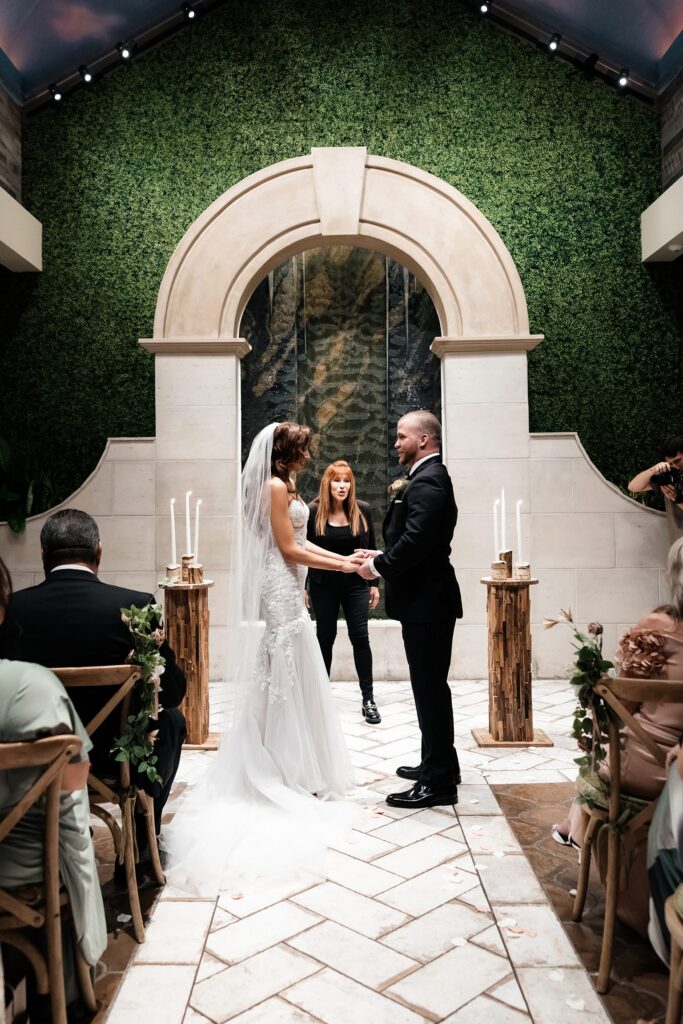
(424, 422)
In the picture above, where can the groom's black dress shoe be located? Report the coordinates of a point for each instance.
(422, 795)
(404, 772)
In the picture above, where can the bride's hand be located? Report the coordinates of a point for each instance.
(349, 564)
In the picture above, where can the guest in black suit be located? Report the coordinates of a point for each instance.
(340, 523)
(72, 619)
(423, 594)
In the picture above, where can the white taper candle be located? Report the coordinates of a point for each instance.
(503, 546)
(173, 546)
(188, 539)
(196, 531)
(496, 538)
(519, 532)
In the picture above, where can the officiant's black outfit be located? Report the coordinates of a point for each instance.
(73, 619)
(422, 592)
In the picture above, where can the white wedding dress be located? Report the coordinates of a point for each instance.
(271, 802)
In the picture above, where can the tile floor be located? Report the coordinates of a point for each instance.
(425, 915)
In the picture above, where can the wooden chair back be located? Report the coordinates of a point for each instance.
(52, 754)
(126, 793)
(123, 678)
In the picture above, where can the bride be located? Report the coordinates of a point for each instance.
(270, 802)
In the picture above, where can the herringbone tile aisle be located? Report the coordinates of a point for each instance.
(425, 916)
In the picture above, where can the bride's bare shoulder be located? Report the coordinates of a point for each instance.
(277, 487)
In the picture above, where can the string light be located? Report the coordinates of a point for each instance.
(485, 6)
(623, 78)
(85, 73)
(124, 50)
(554, 41)
(56, 94)
(189, 11)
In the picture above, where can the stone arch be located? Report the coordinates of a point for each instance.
(341, 196)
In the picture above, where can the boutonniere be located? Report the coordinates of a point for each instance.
(398, 488)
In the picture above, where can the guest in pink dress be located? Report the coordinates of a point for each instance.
(652, 649)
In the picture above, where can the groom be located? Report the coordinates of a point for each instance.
(423, 594)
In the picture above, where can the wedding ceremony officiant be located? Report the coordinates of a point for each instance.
(339, 522)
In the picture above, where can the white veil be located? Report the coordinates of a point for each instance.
(243, 820)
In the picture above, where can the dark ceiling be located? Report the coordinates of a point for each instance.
(46, 40)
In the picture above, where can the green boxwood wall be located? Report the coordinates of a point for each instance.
(562, 167)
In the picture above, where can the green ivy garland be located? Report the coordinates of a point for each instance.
(145, 625)
(592, 714)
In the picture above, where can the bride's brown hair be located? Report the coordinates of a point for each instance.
(353, 513)
(290, 441)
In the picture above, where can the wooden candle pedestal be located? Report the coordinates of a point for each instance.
(511, 721)
(187, 631)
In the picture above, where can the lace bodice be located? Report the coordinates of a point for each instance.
(299, 513)
(282, 604)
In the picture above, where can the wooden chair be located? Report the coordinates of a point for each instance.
(624, 816)
(39, 906)
(675, 925)
(121, 792)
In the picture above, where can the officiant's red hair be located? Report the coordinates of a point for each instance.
(290, 442)
(338, 470)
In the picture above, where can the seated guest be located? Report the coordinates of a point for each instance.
(72, 619)
(665, 855)
(33, 705)
(652, 649)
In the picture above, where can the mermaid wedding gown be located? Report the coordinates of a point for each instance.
(269, 805)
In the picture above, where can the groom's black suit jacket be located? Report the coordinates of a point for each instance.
(73, 619)
(421, 586)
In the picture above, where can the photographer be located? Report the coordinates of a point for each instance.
(666, 478)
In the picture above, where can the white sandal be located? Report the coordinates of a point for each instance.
(563, 840)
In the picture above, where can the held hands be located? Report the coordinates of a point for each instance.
(364, 556)
(365, 571)
(350, 563)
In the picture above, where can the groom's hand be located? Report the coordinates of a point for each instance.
(365, 553)
(365, 570)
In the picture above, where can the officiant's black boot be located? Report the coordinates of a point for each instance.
(370, 712)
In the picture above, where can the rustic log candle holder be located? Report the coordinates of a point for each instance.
(195, 573)
(509, 641)
(186, 563)
(173, 572)
(187, 630)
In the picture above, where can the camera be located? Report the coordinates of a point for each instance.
(672, 478)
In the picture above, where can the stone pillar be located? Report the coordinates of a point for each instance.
(198, 439)
(485, 412)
